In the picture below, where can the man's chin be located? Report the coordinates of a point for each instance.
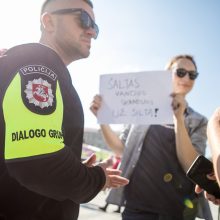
(83, 56)
(86, 54)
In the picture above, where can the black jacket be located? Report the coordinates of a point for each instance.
(38, 180)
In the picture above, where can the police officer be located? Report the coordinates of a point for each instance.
(42, 122)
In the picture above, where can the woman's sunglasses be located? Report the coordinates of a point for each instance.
(86, 20)
(182, 72)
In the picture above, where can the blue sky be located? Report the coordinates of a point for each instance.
(144, 34)
(135, 35)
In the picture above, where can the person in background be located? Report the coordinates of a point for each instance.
(213, 133)
(42, 122)
(109, 199)
(156, 157)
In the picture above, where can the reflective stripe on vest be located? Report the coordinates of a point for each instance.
(26, 133)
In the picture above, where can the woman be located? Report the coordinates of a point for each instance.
(156, 157)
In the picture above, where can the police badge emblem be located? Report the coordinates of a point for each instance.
(39, 92)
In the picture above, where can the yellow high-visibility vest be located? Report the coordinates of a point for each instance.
(26, 133)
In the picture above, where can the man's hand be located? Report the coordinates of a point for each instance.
(113, 179)
(89, 162)
(107, 163)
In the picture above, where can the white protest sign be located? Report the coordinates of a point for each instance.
(136, 98)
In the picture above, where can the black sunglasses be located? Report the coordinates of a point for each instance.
(182, 72)
(86, 20)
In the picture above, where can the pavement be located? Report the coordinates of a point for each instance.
(91, 211)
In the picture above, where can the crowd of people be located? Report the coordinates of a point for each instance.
(42, 123)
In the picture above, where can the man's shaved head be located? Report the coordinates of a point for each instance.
(48, 5)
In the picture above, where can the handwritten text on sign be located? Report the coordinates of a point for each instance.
(136, 98)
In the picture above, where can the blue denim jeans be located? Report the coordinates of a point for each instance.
(129, 214)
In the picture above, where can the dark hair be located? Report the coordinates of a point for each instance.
(178, 57)
(46, 2)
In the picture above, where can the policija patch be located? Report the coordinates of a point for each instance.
(39, 92)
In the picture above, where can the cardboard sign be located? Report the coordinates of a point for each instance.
(136, 98)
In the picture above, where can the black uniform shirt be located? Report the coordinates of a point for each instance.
(39, 178)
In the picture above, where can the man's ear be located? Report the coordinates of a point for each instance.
(47, 22)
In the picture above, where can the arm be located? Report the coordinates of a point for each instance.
(186, 153)
(62, 176)
(213, 133)
(110, 137)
